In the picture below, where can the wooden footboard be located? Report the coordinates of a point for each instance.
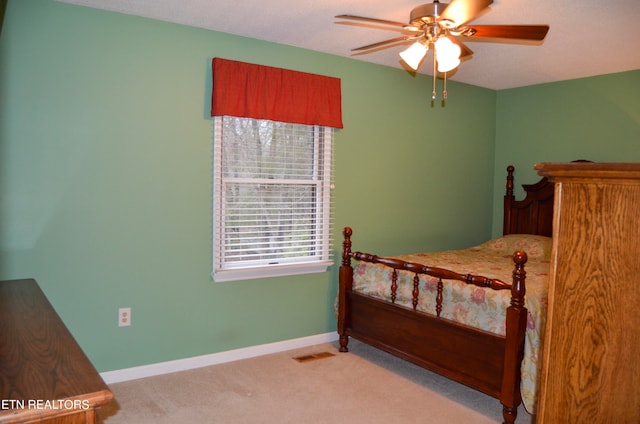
(479, 359)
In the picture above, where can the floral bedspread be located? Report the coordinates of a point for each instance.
(471, 305)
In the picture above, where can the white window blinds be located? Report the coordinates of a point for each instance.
(272, 200)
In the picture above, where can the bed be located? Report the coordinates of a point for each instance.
(461, 313)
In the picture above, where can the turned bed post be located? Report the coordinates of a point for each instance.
(516, 327)
(345, 285)
(508, 199)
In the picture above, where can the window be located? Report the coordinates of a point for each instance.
(273, 131)
(271, 198)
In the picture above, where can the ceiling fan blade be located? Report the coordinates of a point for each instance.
(384, 43)
(463, 11)
(371, 20)
(464, 50)
(520, 32)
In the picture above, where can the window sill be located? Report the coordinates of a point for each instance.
(220, 276)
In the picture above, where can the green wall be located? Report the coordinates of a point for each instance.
(595, 118)
(105, 179)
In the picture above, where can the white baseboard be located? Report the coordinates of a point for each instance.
(214, 358)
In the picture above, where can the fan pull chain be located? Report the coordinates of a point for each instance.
(433, 92)
(434, 95)
(444, 90)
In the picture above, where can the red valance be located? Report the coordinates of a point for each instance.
(263, 92)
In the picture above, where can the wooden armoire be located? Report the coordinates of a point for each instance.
(591, 353)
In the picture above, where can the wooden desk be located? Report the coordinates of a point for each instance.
(44, 375)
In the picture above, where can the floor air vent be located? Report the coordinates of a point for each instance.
(314, 356)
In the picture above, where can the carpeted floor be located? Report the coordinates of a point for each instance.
(363, 386)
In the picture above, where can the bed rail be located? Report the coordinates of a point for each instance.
(517, 287)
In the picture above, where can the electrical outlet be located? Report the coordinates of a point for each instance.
(124, 317)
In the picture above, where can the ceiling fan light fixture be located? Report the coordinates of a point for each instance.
(414, 54)
(437, 25)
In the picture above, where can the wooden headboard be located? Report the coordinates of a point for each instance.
(534, 213)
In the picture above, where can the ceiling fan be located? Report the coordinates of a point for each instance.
(438, 25)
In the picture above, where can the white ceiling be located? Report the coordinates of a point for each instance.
(587, 37)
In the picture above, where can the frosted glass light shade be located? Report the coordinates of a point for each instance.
(447, 65)
(414, 54)
(447, 54)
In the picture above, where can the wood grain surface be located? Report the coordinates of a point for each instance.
(43, 371)
(590, 367)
